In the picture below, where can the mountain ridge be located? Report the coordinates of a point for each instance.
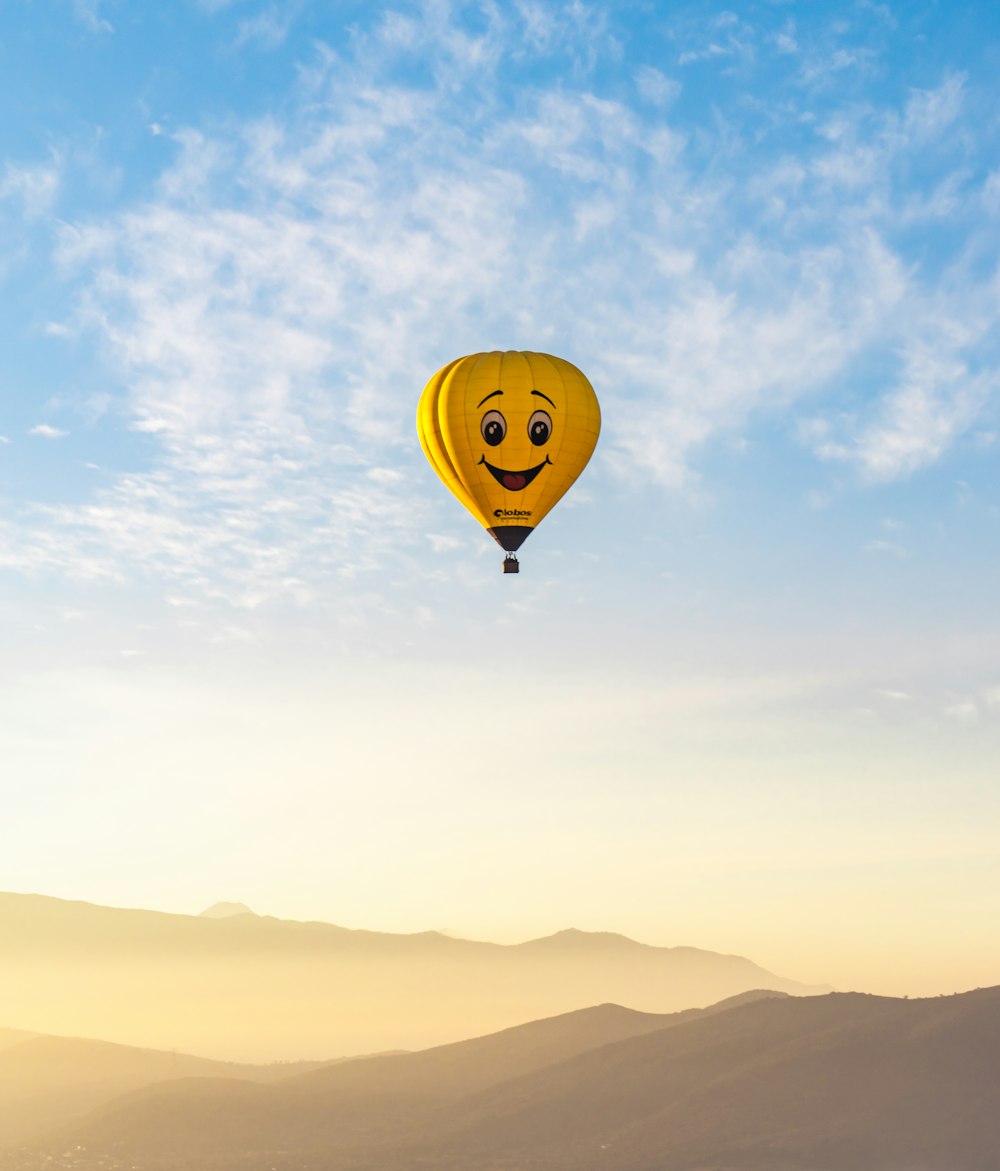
(43, 1076)
(248, 919)
(313, 989)
(344, 1097)
(840, 1082)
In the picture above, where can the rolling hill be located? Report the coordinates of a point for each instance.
(46, 1081)
(204, 1111)
(842, 1082)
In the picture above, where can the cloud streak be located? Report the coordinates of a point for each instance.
(271, 314)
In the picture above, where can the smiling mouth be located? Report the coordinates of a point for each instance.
(514, 481)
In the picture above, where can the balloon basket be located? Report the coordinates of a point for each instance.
(510, 564)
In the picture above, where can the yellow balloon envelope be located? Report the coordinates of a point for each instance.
(508, 433)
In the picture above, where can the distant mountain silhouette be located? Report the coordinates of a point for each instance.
(843, 1082)
(255, 988)
(225, 911)
(347, 1099)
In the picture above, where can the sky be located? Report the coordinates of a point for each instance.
(745, 692)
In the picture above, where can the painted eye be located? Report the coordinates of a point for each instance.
(540, 427)
(493, 427)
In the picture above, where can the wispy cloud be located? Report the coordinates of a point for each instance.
(880, 546)
(921, 419)
(272, 313)
(723, 35)
(655, 86)
(88, 13)
(267, 29)
(47, 431)
(33, 187)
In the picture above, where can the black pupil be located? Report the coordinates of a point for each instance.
(539, 432)
(493, 432)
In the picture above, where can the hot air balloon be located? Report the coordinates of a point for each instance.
(508, 433)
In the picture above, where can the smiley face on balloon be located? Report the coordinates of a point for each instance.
(494, 430)
(508, 433)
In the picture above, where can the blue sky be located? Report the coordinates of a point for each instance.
(744, 693)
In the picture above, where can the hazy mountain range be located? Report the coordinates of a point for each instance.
(45, 1081)
(841, 1082)
(253, 988)
(49, 1083)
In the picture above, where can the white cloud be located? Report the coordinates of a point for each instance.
(724, 35)
(930, 112)
(880, 546)
(574, 28)
(45, 431)
(234, 634)
(922, 418)
(754, 338)
(267, 29)
(34, 187)
(88, 13)
(936, 400)
(656, 87)
(972, 706)
(963, 712)
(274, 310)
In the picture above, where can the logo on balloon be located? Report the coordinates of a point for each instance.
(498, 512)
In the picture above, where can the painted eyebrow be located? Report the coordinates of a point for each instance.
(493, 394)
(544, 396)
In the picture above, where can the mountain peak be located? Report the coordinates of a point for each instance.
(226, 911)
(574, 937)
